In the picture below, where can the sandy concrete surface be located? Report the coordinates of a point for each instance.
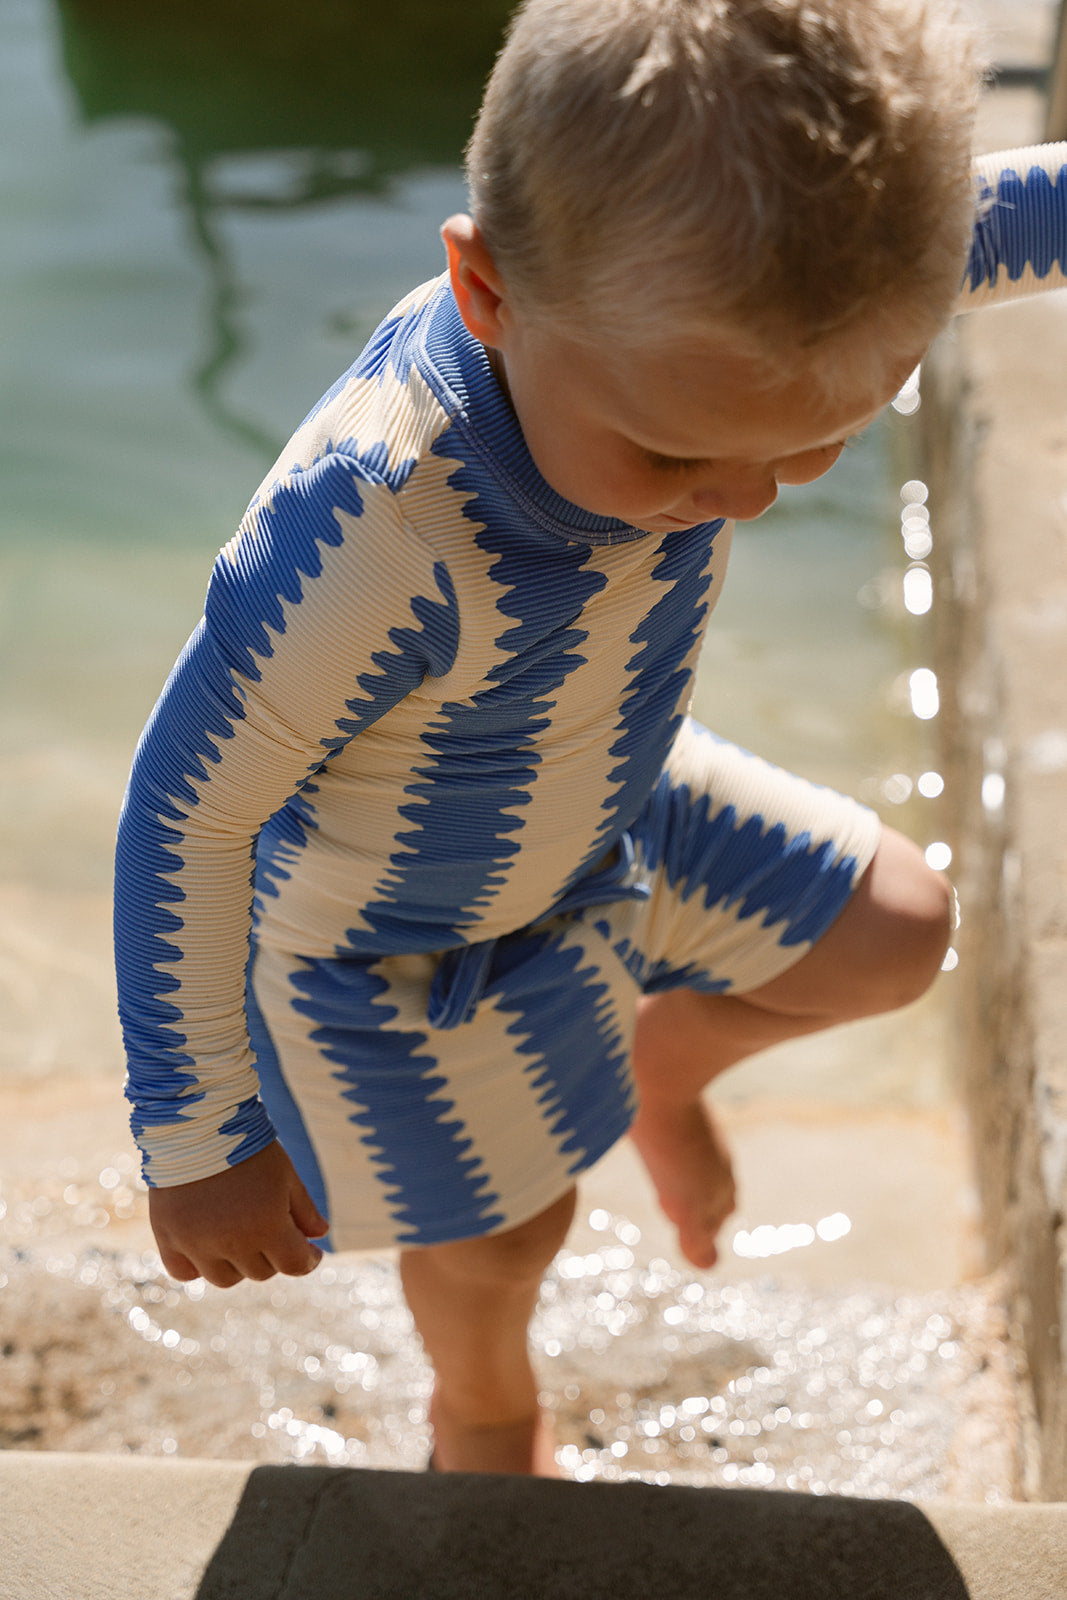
(216, 1531)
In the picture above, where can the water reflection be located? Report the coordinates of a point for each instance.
(994, 789)
(652, 1372)
(918, 542)
(399, 82)
(768, 1240)
(925, 697)
(270, 108)
(918, 589)
(909, 399)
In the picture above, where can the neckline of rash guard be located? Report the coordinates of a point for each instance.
(457, 369)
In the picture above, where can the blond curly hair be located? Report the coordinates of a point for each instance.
(792, 168)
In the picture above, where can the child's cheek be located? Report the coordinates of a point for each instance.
(805, 469)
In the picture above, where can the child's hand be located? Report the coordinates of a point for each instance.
(251, 1221)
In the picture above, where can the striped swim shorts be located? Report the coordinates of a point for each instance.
(427, 1098)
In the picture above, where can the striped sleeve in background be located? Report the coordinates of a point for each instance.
(1020, 236)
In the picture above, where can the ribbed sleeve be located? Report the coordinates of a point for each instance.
(1020, 235)
(321, 615)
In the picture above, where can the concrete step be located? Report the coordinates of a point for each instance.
(84, 1527)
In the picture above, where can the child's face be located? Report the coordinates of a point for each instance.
(677, 436)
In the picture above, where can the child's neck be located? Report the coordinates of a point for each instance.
(499, 370)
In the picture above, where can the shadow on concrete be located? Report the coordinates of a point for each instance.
(310, 1533)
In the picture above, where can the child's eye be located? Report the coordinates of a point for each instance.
(833, 449)
(836, 448)
(673, 463)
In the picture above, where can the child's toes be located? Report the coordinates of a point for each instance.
(699, 1252)
(699, 1242)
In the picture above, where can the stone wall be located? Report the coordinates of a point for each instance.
(995, 443)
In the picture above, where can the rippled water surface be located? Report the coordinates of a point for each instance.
(651, 1372)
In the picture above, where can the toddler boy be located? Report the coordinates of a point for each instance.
(422, 863)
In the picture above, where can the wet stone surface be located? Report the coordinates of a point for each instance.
(652, 1372)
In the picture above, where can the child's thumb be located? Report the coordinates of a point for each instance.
(306, 1214)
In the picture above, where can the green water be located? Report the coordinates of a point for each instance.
(205, 213)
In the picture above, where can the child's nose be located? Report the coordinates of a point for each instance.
(743, 495)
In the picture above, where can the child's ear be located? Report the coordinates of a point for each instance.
(476, 283)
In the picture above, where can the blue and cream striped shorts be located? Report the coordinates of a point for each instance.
(413, 1132)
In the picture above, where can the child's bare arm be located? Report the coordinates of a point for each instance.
(251, 1221)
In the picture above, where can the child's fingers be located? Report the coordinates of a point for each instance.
(207, 1264)
(297, 1260)
(306, 1214)
(223, 1274)
(260, 1255)
(282, 1248)
(249, 1221)
(257, 1265)
(288, 1250)
(176, 1264)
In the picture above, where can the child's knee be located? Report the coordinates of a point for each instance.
(929, 930)
(519, 1255)
(909, 909)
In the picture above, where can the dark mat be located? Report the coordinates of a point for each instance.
(320, 1533)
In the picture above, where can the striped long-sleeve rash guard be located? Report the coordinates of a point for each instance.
(426, 697)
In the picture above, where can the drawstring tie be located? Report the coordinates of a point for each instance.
(462, 974)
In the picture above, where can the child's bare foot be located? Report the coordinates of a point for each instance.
(688, 1162)
(527, 1445)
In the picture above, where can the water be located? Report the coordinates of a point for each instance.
(650, 1374)
(202, 224)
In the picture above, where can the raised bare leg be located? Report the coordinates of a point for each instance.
(882, 952)
(472, 1302)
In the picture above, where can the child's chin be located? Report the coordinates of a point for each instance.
(665, 524)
